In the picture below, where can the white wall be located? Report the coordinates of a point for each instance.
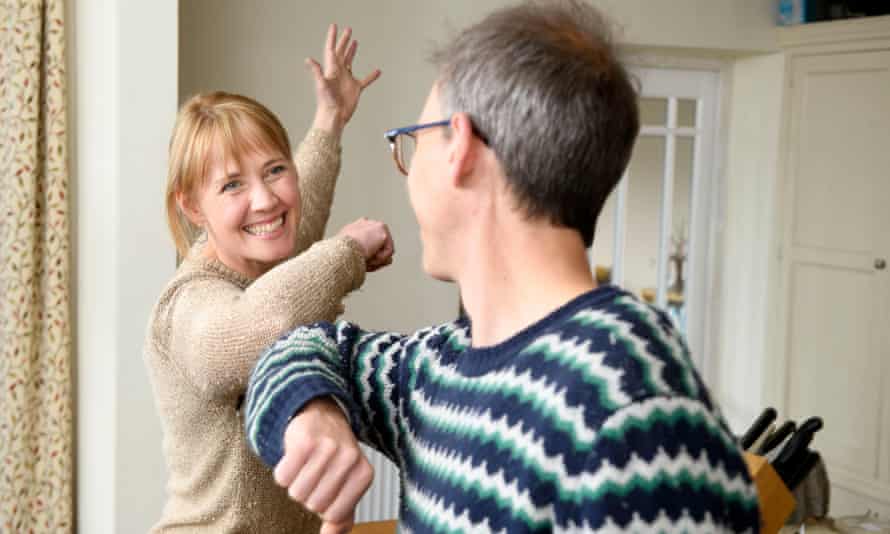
(123, 63)
(731, 26)
(234, 46)
(122, 66)
(748, 235)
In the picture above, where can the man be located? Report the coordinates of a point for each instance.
(555, 405)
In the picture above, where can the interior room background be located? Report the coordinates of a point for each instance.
(131, 63)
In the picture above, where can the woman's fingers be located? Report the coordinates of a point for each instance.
(350, 54)
(384, 254)
(315, 68)
(329, 55)
(343, 44)
(370, 78)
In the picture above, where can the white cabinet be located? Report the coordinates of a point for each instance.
(833, 335)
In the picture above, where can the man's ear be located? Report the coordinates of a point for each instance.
(462, 155)
(189, 209)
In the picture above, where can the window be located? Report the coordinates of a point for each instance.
(654, 235)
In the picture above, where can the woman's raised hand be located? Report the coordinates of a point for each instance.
(337, 90)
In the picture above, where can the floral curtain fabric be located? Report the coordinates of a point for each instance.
(36, 426)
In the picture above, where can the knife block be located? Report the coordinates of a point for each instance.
(776, 502)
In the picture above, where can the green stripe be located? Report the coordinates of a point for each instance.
(626, 342)
(541, 347)
(523, 397)
(684, 479)
(672, 419)
(648, 317)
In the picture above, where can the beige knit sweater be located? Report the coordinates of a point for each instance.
(207, 329)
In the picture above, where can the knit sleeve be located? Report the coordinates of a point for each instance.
(662, 464)
(318, 164)
(218, 330)
(363, 370)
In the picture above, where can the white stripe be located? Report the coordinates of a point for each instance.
(366, 380)
(480, 424)
(639, 344)
(453, 463)
(433, 507)
(662, 523)
(644, 409)
(670, 341)
(547, 395)
(590, 364)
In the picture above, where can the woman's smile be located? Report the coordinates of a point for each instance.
(269, 229)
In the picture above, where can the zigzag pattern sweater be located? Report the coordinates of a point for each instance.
(592, 419)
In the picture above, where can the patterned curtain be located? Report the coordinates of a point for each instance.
(36, 463)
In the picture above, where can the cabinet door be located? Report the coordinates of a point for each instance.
(837, 291)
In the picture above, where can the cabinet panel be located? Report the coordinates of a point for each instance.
(842, 149)
(832, 362)
(837, 350)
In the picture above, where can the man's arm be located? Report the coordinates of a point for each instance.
(315, 454)
(360, 369)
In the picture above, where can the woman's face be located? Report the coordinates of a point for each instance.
(250, 210)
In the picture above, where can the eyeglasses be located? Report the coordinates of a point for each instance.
(402, 142)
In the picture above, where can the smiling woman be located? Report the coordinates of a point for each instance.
(247, 221)
(244, 194)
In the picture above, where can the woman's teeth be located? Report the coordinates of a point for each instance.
(265, 228)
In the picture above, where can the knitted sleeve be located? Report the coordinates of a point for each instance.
(318, 164)
(661, 464)
(220, 329)
(363, 370)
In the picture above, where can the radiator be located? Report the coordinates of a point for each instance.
(382, 499)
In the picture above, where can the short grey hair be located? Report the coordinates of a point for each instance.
(542, 84)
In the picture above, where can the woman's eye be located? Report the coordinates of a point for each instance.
(230, 186)
(276, 172)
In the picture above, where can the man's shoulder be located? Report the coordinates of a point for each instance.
(617, 349)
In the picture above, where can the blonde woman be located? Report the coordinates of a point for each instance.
(247, 220)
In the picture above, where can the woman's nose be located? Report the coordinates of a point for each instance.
(263, 197)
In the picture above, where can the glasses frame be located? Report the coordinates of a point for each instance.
(393, 137)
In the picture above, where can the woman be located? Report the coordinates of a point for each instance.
(243, 217)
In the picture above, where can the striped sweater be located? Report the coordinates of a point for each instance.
(592, 419)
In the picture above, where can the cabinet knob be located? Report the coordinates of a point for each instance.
(880, 264)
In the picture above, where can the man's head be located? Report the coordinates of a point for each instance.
(545, 92)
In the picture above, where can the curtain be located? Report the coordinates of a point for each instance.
(36, 461)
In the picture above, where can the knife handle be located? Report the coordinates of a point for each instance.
(760, 424)
(800, 440)
(803, 469)
(777, 437)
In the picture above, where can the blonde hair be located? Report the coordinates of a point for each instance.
(234, 124)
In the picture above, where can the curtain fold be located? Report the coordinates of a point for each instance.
(36, 423)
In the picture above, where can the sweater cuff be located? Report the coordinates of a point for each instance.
(267, 424)
(356, 263)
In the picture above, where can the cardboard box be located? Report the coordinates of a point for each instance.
(776, 502)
